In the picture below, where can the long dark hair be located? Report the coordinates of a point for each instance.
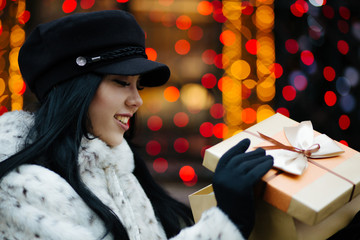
(54, 140)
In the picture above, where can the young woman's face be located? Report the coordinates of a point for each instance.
(115, 102)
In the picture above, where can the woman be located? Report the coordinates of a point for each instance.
(67, 170)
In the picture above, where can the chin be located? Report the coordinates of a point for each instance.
(113, 142)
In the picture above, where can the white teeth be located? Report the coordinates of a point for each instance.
(122, 119)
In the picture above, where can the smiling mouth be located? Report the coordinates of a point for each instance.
(122, 119)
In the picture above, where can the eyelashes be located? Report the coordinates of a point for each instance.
(126, 84)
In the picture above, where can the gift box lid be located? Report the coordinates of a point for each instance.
(324, 186)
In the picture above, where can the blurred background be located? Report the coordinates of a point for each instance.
(234, 63)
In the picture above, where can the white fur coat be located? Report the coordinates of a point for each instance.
(36, 203)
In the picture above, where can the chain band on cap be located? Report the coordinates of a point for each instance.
(119, 53)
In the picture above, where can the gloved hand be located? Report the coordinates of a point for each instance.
(233, 182)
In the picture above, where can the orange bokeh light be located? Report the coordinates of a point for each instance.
(151, 53)
(227, 37)
(248, 115)
(171, 94)
(182, 47)
(205, 8)
(183, 22)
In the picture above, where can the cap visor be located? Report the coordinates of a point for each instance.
(152, 73)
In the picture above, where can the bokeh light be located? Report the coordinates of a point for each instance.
(69, 6)
(171, 94)
(344, 122)
(153, 148)
(208, 80)
(183, 22)
(181, 145)
(329, 73)
(154, 123)
(252, 46)
(182, 47)
(151, 53)
(206, 129)
(330, 98)
(205, 8)
(160, 165)
(181, 119)
(187, 173)
(289, 93)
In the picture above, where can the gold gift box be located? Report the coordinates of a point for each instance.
(313, 205)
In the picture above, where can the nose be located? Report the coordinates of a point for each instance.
(134, 99)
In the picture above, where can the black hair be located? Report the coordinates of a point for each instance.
(54, 140)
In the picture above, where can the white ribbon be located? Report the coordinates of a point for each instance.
(305, 145)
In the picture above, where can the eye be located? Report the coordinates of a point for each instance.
(121, 83)
(140, 87)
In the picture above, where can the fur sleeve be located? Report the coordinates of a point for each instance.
(213, 225)
(36, 203)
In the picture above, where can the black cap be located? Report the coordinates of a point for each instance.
(107, 42)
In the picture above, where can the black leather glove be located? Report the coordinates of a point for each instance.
(350, 232)
(233, 182)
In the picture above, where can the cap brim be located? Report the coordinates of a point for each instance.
(152, 73)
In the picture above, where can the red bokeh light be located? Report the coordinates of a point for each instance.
(206, 129)
(301, 6)
(181, 119)
(330, 98)
(208, 80)
(217, 12)
(153, 148)
(2, 4)
(276, 69)
(289, 93)
(220, 130)
(208, 56)
(24, 17)
(344, 142)
(252, 46)
(329, 73)
(292, 46)
(3, 110)
(283, 111)
(86, 4)
(187, 173)
(217, 111)
(69, 6)
(307, 57)
(344, 122)
(181, 145)
(122, 1)
(248, 9)
(328, 11)
(154, 123)
(344, 13)
(160, 165)
(343, 47)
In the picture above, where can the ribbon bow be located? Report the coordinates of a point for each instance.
(294, 159)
